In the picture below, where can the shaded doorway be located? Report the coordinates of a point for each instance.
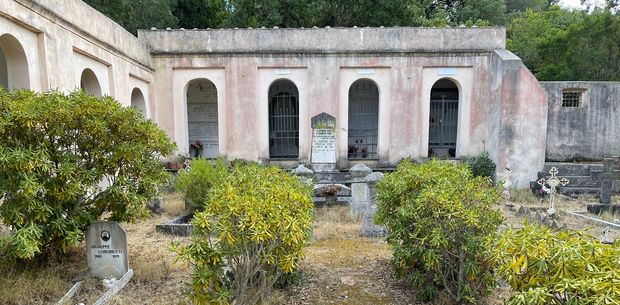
(363, 120)
(202, 119)
(283, 120)
(443, 119)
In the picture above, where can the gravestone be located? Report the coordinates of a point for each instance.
(607, 179)
(369, 228)
(359, 188)
(323, 142)
(106, 250)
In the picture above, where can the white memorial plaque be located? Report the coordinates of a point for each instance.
(365, 71)
(447, 71)
(282, 72)
(323, 145)
(106, 250)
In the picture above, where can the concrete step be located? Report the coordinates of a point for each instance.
(575, 191)
(572, 169)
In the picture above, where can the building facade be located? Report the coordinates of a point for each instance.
(251, 93)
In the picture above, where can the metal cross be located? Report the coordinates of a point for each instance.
(553, 182)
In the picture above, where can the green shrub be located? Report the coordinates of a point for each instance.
(195, 184)
(482, 165)
(438, 216)
(252, 231)
(56, 150)
(546, 267)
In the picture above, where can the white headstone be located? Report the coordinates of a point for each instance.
(106, 250)
(323, 142)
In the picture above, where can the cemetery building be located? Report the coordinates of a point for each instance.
(251, 93)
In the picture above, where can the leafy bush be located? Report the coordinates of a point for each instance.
(196, 183)
(482, 165)
(252, 231)
(546, 267)
(57, 152)
(438, 216)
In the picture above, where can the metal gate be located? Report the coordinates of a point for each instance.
(363, 120)
(443, 122)
(283, 120)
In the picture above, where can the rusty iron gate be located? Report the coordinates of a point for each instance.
(363, 120)
(443, 121)
(283, 121)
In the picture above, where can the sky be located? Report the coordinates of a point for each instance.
(570, 3)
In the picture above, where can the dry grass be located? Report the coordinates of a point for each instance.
(173, 203)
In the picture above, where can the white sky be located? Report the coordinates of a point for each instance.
(577, 3)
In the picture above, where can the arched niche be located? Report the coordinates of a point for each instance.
(363, 127)
(283, 120)
(202, 118)
(138, 102)
(13, 64)
(443, 119)
(90, 83)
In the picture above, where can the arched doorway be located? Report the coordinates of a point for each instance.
(443, 120)
(202, 119)
(137, 101)
(13, 64)
(283, 120)
(363, 120)
(90, 83)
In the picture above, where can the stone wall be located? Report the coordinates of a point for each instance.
(590, 131)
(62, 38)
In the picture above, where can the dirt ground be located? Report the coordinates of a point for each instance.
(340, 267)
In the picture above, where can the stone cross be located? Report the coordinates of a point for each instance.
(106, 249)
(553, 182)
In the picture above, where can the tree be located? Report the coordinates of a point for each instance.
(200, 14)
(587, 50)
(137, 14)
(69, 159)
(527, 34)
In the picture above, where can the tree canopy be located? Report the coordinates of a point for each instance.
(555, 43)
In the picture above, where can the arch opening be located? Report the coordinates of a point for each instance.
(138, 102)
(363, 127)
(13, 64)
(202, 119)
(90, 83)
(283, 120)
(443, 119)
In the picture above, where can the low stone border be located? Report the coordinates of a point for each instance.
(179, 226)
(67, 297)
(596, 220)
(105, 298)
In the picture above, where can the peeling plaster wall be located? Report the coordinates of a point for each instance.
(518, 114)
(588, 132)
(60, 43)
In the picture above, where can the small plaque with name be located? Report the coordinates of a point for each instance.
(106, 250)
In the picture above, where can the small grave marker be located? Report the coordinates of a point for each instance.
(553, 182)
(106, 248)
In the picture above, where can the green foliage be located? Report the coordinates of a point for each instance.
(138, 14)
(438, 216)
(56, 150)
(546, 267)
(252, 231)
(196, 184)
(200, 14)
(482, 165)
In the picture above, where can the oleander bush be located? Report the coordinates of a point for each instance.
(547, 267)
(439, 217)
(68, 159)
(196, 183)
(251, 232)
